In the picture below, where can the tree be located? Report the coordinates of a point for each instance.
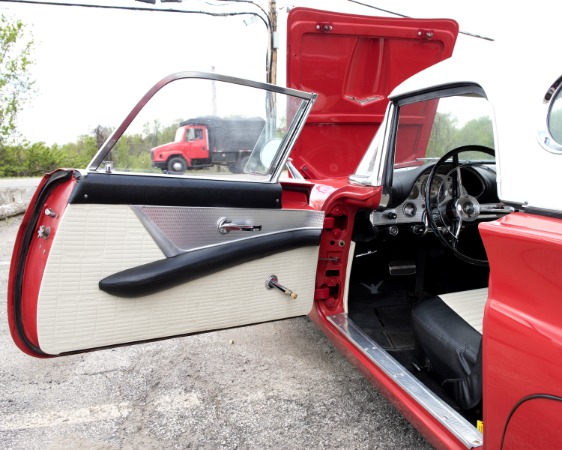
(15, 82)
(101, 134)
(443, 135)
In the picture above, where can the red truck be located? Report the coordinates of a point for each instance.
(206, 141)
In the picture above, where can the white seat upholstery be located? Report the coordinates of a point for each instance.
(469, 305)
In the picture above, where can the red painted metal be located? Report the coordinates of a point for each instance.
(424, 422)
(35, 262)
(295, 195)
(522, 333)
(353, 62)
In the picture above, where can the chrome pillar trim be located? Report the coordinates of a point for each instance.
(447, 416)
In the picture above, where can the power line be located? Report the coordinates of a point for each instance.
(266, 21)
(137, 8)
(367, 5)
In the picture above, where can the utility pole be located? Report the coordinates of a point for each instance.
(214, 93)
(273, 43)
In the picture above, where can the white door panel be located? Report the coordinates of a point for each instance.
(95, 241)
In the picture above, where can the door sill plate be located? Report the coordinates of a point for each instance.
(447, 416)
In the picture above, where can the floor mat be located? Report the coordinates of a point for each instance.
(400, 339)
(383, 316)
(394, 316)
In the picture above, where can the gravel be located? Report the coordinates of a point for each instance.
(273, 385)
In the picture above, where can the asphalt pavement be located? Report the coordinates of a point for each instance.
(277, 385)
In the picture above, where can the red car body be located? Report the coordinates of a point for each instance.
(353, 63)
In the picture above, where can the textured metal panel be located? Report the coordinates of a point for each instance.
(180, 229)
(418, 202)
(446, 415)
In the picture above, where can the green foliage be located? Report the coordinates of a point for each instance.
(29, 160)
(15, 82)
(78, 154)
(444, 135)
(447, 135)
(26, 160)
(132, 151)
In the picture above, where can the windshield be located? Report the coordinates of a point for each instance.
(217, 127)
(425, 131)
(429, 129)
(179, 135)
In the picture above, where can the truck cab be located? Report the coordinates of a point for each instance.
(190, 149)
(203, 142)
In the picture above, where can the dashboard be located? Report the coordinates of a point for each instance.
(407, 200)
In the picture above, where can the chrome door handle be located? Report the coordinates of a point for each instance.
(225, 226)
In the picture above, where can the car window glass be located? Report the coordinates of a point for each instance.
(205, 128)
(428, 129)
(555, 118)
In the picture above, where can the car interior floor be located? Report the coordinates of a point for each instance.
(388, 278)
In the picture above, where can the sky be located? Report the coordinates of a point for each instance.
(93, 65)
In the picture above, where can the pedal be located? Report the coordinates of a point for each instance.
(402, 268)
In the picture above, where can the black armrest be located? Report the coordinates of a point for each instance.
(166, 273)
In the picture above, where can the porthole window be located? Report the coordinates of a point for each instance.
(555, 117)
(550, 135)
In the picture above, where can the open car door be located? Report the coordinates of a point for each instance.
(123, 253)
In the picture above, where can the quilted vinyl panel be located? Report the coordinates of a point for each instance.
(94, 241)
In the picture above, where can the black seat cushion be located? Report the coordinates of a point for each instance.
(453, 349)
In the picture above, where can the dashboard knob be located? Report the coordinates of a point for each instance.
(393, 230)
(418, 228)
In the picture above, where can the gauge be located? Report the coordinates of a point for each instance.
(409, 209)
(415, 192)
(434, 190)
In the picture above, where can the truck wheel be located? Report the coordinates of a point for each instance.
(177, 165)
(239, 166)
(233, 167)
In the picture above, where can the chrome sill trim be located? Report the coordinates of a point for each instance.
(447, 416)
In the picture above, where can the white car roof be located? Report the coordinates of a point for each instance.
(516, 83)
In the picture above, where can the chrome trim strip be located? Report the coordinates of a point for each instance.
(178, 230)
(291, 137)
(447, 416)
(544, 135)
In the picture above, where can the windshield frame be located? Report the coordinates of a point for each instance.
(381, 159)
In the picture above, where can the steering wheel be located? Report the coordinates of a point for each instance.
(453, 206)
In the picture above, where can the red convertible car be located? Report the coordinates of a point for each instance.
(405, 200)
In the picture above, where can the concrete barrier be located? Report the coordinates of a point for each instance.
(14, 200)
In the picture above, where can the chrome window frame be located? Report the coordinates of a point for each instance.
(383, 165)
(544, 136)
(287, 143)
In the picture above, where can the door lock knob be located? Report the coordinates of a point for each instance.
(273, 282)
